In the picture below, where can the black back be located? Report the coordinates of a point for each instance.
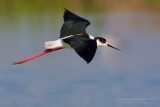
(73, 24)
(83, 45)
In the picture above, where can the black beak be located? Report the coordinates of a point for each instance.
(113, 47)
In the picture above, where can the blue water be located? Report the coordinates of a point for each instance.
(130, 78)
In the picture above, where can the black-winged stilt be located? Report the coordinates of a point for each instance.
(73, 35)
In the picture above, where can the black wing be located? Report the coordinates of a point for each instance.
(73, 24)
(85, 47)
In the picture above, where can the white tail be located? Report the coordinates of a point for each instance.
(56, 44)
(53, 44)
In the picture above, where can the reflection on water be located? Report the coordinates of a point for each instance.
(62, 78)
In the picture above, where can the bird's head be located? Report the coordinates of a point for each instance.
(102, 42)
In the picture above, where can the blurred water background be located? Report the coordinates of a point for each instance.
(130, 78)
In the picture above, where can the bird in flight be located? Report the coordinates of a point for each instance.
(73, 35)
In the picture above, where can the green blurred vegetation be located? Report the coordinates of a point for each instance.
(86, 6)
(41, 6)
(38, 12)
(154, 4)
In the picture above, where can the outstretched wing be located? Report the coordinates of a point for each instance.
(85, 47)
(73, 24)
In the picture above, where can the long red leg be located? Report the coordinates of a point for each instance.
(35, 56)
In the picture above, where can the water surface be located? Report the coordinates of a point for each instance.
(63, 79)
